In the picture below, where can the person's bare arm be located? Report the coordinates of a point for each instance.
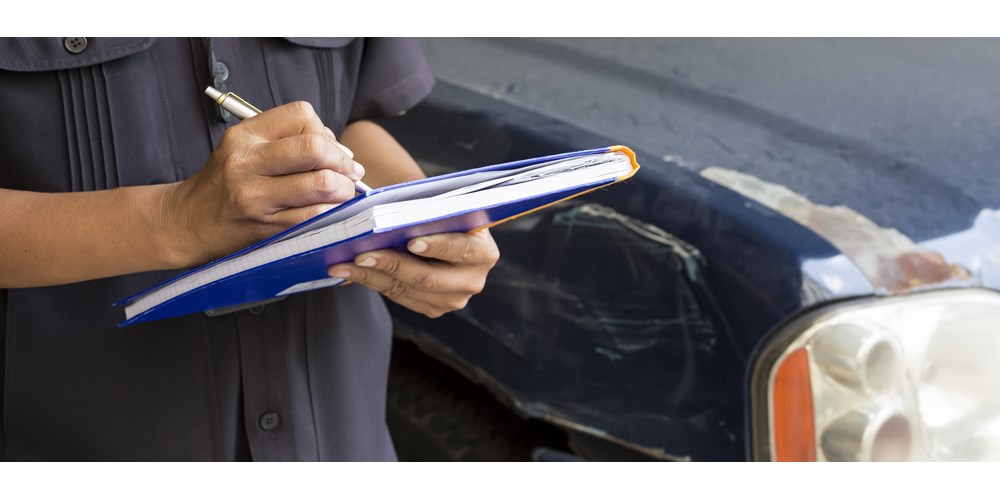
(270, 172)
(387, 161)
(441, 272)
(54, 238)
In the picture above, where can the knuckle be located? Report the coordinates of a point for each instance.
(492, 255)
(345, 160)
(458, 303)
(426, 282)
(302, 109)
(330, 186)
(477, 286)
(361, 275)
(234, 161)
(231, 135)
(325, 183)
(390, 265)
(396, 289)
(468, 250)
(329, 132)
(344, 164)
(312, 149)
(344, 188)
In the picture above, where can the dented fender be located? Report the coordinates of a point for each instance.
(631, 315)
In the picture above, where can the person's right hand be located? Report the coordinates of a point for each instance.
(270, 172)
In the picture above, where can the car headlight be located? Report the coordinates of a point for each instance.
(913, 377)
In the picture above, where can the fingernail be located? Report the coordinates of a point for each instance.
(418, 246)
(341, 273)
(347, 151)
(359, 170)
(367, 262)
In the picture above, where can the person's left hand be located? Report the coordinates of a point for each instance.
(439, 275)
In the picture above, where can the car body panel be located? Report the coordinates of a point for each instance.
(597, 317)
(633, 314)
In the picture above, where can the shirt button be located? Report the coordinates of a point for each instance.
(75, 44)
(269, 421)
(220, 72)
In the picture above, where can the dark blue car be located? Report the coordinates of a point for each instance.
(805, 268)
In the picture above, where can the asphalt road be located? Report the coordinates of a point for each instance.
(903, 131)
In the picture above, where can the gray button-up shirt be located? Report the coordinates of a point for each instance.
(302, 379)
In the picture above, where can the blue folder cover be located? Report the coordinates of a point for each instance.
(308, 270)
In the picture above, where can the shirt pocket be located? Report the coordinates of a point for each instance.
(48, 54)
(58, 132)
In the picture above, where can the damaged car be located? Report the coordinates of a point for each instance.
(806, 267)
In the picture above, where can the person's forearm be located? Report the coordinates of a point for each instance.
(56, 238)
(385, 160)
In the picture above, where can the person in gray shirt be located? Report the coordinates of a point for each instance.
(116, 172)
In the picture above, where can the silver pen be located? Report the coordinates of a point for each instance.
(243, 110)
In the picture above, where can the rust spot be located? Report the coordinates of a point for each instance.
(891, 261)
(915, 269)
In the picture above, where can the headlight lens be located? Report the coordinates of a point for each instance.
(903, 378)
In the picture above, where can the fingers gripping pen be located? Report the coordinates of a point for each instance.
(243, 110)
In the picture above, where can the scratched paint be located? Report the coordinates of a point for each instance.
(628, 316)
(891, 261)
(623, 335)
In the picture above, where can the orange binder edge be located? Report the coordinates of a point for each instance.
(613, 149)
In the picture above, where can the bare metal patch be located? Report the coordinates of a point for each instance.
(890, 260)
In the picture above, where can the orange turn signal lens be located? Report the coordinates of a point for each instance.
(794, 428)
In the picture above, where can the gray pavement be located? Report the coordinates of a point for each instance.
(871, 123)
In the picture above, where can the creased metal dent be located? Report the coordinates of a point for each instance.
(890, 260)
